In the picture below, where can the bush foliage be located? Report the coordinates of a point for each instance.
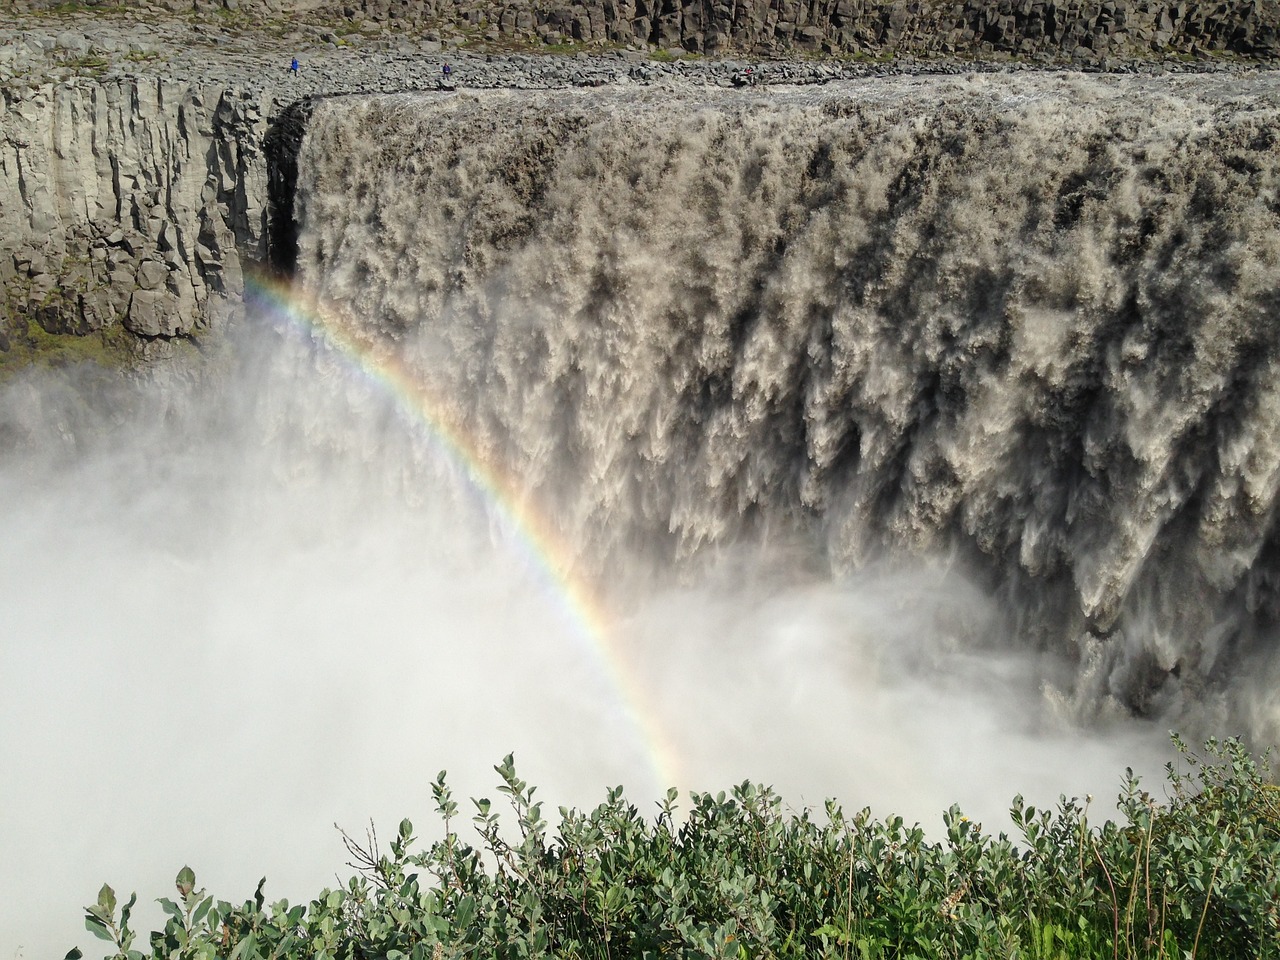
(741, 876)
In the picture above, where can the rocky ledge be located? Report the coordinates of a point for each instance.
(134, 167)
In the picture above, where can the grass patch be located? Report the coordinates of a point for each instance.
(89, 65)
(30, 346)
(663, 55)
(563, 48)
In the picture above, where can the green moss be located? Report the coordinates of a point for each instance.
(666, 56)
(31, 346)
(562, 48)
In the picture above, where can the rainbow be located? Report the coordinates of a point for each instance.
(546, 552)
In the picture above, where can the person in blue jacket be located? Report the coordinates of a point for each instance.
(293, 67)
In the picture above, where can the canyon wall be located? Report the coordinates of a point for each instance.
(1031, 28)
(129, 202)
(1034, 29)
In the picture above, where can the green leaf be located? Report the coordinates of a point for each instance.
(98, 928)
(73, 954)
(185, 882)
(248, 947)
(127, 910)
(466, 911)
(107, 899)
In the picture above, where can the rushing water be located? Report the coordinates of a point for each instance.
(907, 442)
(1028, 325)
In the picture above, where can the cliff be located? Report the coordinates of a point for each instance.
(1035, 29)
(129, 202)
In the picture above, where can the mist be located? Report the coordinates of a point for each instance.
(243, 605)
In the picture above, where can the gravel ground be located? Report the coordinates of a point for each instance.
(39, 50)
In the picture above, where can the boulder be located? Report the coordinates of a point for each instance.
(152, 274)
(154, 313)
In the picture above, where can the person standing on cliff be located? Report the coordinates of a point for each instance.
(293, 67)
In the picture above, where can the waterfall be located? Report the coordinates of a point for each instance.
(919, 436)
(1026, 325)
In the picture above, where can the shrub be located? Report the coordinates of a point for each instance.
(741, 876)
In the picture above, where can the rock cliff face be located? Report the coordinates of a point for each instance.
(130, 202)
(1038, 28)
(1054, 29)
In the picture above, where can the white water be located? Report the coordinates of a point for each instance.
(237, 613)
(1028, 321)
